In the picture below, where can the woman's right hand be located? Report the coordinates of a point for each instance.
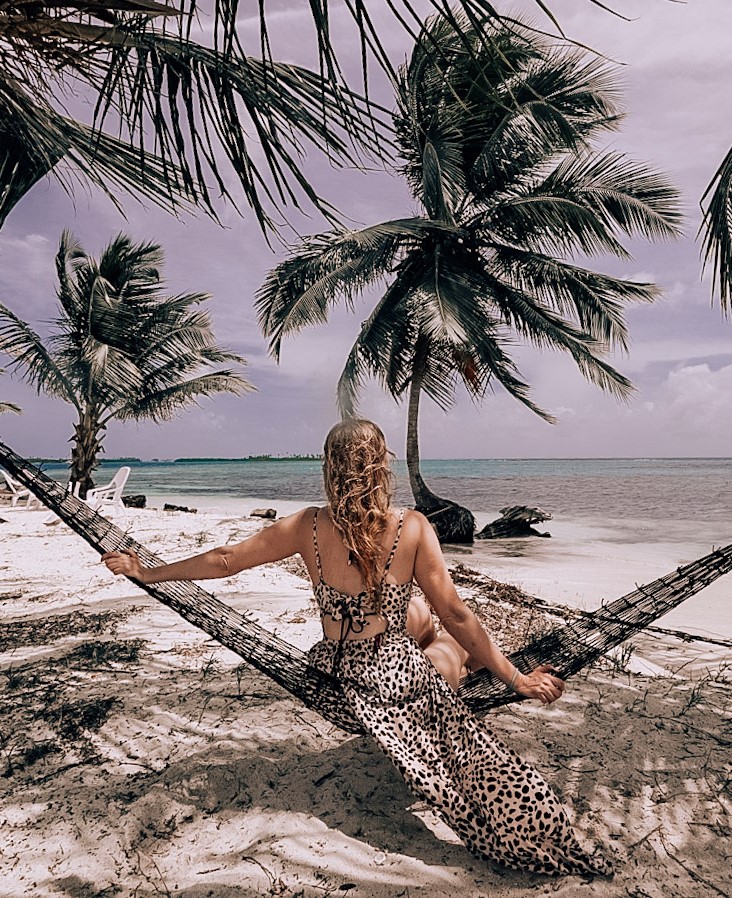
(541, 683)
(126, 562)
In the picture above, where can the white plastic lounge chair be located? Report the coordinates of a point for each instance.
(17, 491)
(109, 495)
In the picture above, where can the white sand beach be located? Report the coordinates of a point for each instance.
(140, 758)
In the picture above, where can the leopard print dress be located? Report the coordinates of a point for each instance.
(498, 805)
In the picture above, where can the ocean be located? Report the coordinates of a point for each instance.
(615, 523)
(694, 489)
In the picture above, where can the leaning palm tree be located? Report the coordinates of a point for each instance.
(120, 348)
(495, 140)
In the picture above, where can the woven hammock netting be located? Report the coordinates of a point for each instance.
(568, 648)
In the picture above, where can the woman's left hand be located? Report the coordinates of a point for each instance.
(541, 683)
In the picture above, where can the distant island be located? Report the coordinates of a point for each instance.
(216, 460)
(133, 460)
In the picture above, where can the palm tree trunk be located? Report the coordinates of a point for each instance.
(453, 523)
(86, 448)
(423, 496)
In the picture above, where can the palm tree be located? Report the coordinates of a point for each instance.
(120, 348)
(179, 107)
(495, 141)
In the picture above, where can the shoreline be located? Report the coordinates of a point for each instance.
(144, 759)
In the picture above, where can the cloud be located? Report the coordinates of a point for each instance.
(700, 401)
(27, 279)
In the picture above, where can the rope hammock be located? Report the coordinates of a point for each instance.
(568, 647)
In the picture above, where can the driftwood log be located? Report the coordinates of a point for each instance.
(515, 521)
(269, 513)
(137, 501)
(168, 506)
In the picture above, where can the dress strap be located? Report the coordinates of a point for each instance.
(396, 542)
(315, 544)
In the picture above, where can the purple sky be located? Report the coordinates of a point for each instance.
(676, 71)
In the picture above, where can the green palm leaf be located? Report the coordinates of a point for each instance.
(545, 328)
(597, 301)
(37, 140)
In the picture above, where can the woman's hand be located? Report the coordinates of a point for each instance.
(541, 683)
(127, 563)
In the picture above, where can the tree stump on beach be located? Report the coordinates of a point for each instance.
(452, 522)
(515, 521)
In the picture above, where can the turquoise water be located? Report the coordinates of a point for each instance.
(691, 489)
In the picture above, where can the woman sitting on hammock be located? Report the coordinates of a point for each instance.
(363, 556)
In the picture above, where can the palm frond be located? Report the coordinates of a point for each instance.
(486, 364)
(162, 405)
(716, 231)
(597, 301)
(36, 140)
(382, 348)
(556, 104)
(327, 267)
(39, 368)
(186, 101)
(636, 199)
(544, 328)
(546, 219)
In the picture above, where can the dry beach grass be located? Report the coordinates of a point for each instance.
(141, 759)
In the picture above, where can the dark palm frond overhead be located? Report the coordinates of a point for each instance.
(182, 93)
(175, 105)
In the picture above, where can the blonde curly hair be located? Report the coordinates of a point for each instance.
(359, 486)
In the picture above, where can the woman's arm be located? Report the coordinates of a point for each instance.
(430, 572)
(270, 544)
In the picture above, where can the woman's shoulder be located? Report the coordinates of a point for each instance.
(414, 524)
(303, 517)
(413, 518)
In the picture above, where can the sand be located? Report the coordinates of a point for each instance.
(139, 758)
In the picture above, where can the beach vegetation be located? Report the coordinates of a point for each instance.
(498, 143)
(173, 115)
(121, 348)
